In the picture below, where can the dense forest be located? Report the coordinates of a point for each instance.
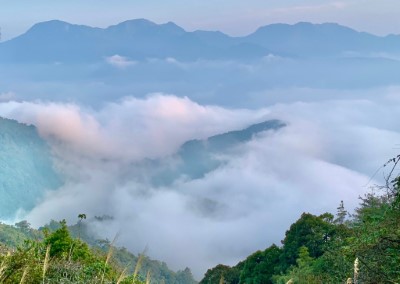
(362, 247)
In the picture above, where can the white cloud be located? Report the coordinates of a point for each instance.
(120, 61)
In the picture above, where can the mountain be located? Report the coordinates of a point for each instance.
(26, 168)
(196, 158)
(58, 41)
(60, 61)
(319, 39)
(53, 41)
(140, 39)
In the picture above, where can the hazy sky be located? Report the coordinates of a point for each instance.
(235, 17)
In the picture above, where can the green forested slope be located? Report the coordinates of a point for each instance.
(26, 168)
(360, 248)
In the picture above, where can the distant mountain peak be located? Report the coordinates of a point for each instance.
(50, 25)
(173, 26)
(54, 22)
(304, 26)
(135, 23)
(145, 26)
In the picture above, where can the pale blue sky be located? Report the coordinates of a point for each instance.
(235, 17)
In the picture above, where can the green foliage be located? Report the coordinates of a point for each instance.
(229, 275)
(307, 240)
(260, 266)
(69, 261)
(341, 214)
(185, 276)
(313, 232)
(11, 236)
(121, 256)
(377, 239)
(302, 273)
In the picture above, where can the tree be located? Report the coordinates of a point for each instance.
(185, 277)
(60, 241)
(302, 273)
(81, 217)
(377, 239)
(213, 276)
(261, 266)
(23, 225)
(341, 214)
(311, 231)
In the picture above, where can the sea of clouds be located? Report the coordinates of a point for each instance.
(329, 151)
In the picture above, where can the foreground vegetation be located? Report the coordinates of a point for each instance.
(59, 258)
(57, 254)
(360, 248)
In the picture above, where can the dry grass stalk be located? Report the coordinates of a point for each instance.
(138, 265)
(70, 252)
(356, 270)
(123, 274)
(46, 261)
(222, 280)
(3, 267)
(24, 275)
(148, 278)
(109, 254)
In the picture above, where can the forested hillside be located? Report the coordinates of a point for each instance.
(26, 168)
(363, 247)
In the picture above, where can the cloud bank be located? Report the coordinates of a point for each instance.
(327, 152)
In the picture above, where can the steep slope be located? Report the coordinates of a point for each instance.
(26, 169)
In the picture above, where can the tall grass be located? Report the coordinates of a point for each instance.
(24, 275)
(3, 267)
(356, 270)
(148, 278)
(109, 254)
(46, 262)
(123, 274)
(138, 265)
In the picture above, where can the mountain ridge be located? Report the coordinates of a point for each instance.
(139, 39)
(147, 22)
